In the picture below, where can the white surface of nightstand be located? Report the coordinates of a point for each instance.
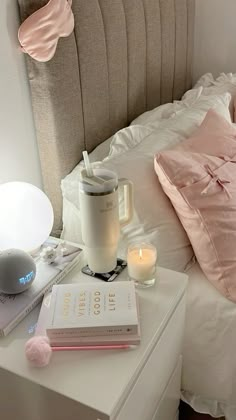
(103, 384)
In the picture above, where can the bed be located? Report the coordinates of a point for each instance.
(129, 62)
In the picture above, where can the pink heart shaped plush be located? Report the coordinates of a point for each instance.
(39, 33)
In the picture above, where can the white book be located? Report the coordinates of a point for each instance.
(132, 339)
(93, 309)
(13, 308)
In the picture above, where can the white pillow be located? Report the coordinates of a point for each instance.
(146, 123)
(222, 84)
(155, 219)
(135, 133)
(195, 100)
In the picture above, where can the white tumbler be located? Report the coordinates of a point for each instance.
(100, 218)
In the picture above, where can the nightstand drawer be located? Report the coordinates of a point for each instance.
(168, 406)
(154, 378)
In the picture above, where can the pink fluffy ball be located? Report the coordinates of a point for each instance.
(38, 351)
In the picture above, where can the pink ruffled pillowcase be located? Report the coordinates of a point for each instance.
(199, 177)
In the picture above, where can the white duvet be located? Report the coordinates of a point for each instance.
(209, 364)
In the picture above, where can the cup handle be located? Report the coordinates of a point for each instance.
(128, 199)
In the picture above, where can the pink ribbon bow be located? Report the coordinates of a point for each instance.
(216, 179)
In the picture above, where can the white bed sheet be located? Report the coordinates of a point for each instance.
(209, 362)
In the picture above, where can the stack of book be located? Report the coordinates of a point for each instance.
(90, 314)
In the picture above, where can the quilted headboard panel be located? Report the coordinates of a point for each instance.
(124, 57)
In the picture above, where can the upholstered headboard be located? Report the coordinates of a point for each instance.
(124, 57)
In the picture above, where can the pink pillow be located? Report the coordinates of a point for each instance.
(199, 177)
(39, 33)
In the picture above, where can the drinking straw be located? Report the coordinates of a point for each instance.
(87, 163)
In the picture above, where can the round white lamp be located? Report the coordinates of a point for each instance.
(26, 220)
(26, 216)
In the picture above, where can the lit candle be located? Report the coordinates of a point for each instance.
(141, 259)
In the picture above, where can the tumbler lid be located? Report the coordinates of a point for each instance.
(102, 181)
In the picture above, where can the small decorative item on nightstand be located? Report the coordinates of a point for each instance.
(141, 260)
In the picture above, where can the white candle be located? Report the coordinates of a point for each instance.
(141, 259)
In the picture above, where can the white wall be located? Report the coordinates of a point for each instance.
(215, 37)
(18, 150)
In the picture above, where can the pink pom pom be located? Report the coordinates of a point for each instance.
(38, 351)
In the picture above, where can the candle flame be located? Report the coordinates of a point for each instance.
(140, 253)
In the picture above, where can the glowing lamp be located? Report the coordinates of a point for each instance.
(26, 216)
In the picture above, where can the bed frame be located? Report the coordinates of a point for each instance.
(124, 57)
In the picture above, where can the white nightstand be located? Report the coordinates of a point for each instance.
(136, 384)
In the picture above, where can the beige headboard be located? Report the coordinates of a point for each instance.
(123, 58)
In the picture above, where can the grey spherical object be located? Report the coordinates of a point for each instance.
(17, 271)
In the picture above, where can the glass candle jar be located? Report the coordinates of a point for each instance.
(141, 261)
